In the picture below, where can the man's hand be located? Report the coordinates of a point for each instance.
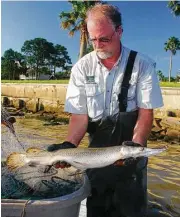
(55, 147)
(64, 145)
(130, 160)
(131, 143)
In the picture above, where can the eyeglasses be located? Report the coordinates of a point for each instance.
(104, 40)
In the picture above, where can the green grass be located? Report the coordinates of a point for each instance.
(62, 81)
(169, 84)
(65, 81)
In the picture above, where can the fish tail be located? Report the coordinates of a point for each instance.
(15, 160)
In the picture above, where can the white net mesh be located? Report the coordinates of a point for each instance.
(32, 182)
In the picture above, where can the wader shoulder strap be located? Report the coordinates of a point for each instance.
(125, 84)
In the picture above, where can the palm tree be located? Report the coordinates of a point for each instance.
(175, 7)
(160, 75)
(173, 44)
(75, 21)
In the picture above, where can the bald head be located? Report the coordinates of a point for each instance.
(100, 11)
(99, 23)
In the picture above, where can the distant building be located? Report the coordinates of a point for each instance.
(30, 75)
(41, 77)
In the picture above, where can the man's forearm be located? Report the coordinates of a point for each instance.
(143, 126)
(77, 128)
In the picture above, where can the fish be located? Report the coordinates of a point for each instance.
(80, 158)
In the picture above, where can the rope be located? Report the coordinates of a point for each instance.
(24, 211)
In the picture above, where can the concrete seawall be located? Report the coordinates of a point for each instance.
(51, 97)
(35, 97)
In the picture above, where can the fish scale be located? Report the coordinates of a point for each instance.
(81, 158)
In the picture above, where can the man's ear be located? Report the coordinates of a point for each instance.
(119, 29)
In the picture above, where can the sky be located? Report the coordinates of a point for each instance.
(147, 26)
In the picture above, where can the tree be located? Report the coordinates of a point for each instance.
(37, 52)
(75, 21)
(178, 76)
(89, 48)
(11, 64)
(160, 75)
(59, 58)
(175, 7)
(173, 44)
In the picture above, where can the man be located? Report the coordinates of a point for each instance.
(111, 95)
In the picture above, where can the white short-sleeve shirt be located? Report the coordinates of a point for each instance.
(94, 90)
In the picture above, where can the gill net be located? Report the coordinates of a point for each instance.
(32, 182)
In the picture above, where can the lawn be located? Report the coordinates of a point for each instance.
(65, 81)
(170, 84)
(62, 81)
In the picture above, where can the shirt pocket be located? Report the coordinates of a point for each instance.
(131, 92)
(95, 100)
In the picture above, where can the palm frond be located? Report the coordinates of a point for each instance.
(175, 7)
(64, 15)
(67, 24)
(173, 44)
(71, 33)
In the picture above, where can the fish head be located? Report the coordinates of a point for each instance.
(130, 151)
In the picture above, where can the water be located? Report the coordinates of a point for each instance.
(163, 170)
(164, 180)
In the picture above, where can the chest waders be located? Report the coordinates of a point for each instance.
(117, 191)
